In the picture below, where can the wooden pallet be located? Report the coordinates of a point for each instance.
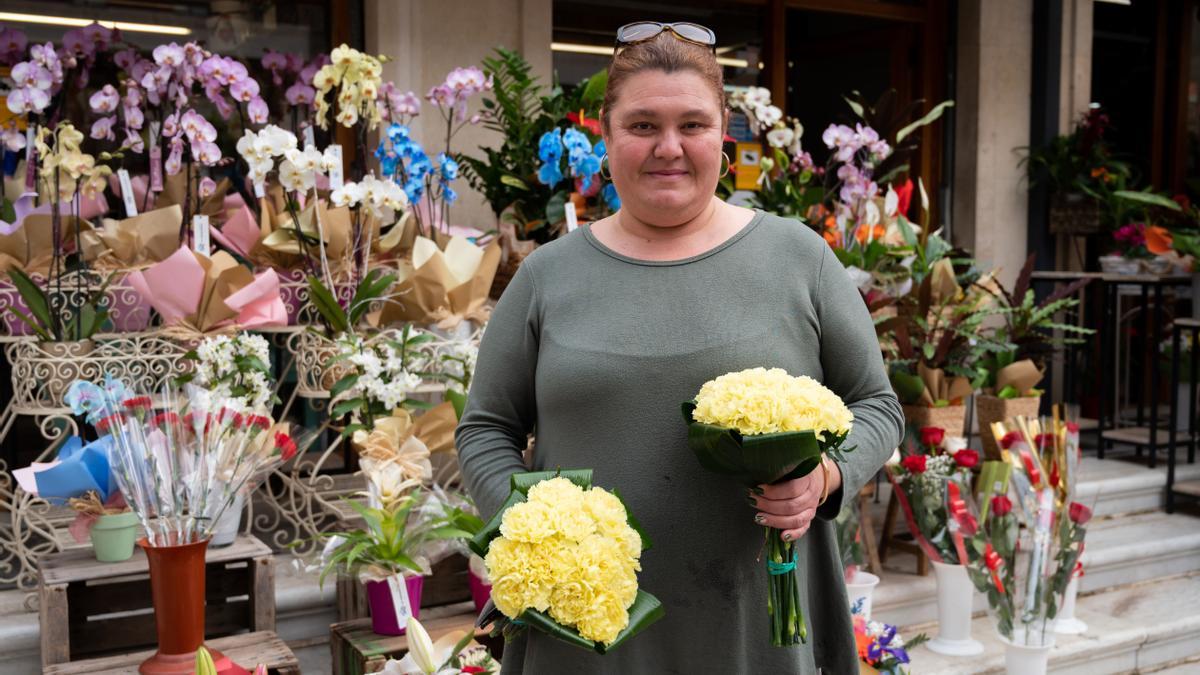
(89, 608)
(447, 585)
(357, 650)
(247, 650)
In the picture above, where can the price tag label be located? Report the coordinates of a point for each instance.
(200, 235)
(155, 130)
(309, 137)
(572, 219)
(400, 600)
(335, 172)
(127, 193)
(260, 190)
(156, 169)
(30, 158)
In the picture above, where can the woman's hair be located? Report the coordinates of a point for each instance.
(667, 53)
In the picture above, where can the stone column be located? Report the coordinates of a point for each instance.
(992, 121)
(428, 38)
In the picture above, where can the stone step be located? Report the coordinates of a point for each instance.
(1119, 486)
(1134, 628)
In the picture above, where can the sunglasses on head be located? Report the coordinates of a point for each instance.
(640, 31)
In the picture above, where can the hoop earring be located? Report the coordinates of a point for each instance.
(603, 159)
(728, 164)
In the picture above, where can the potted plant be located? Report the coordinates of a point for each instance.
(112, 526)
(1029, 325)
(317, 346)
(454, 653)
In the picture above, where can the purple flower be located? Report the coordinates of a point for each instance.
(300, 94)
(207, 154)
(467, 81)
(102, 129)
(139, 69)
(244, 90)
(169, 55)
(98, 36)
(237, 71)
(32, 75)
(133, 95)
(134, 118)
(193, 54)
(125, 58)
(133, 141)
(28, 100)
(156, 80)
(75, 42)
(170, 127)
(276, 62)
(12, 45)
(197, 129)
(207, 187)
(258, 110)
(105, 100)
(442, 96)
(214, 68)
(175, 158)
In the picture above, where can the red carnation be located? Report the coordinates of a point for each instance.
(1072, 427)
(472, 669)
(1008, 439)
(138, 402)
(914, 463)
(1001, 506)
(287, 446)
(932, 437)
(967, 459)
(1044, 441)
(1079, 513)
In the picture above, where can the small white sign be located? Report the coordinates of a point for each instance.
(260, 190)
(335, 172)
(156, 169)
(572, 219)
(30, 158)
(309, 137)
(400, 599)
(127, 193)
(200, 235)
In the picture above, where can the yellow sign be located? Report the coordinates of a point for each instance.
(748, 169)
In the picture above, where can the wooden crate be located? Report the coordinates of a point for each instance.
(357, 650)
(247, 650)
(89, 608)
(447, 585)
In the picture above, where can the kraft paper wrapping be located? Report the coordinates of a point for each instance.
(335, 223)
(31, 248)
(142, 240)
(443, 287)
(941, 387)
(1022, 376)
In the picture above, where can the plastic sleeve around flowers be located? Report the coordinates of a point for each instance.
(853, 369)
(501, 409)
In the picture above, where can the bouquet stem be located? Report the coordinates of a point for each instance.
(783, 594)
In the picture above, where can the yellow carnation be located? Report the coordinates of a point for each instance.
(761, 401)
(604, 620)
(529, 522)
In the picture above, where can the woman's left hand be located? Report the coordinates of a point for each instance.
(791, 505)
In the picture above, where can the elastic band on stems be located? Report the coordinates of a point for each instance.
(776, 569)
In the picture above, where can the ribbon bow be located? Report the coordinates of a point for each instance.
(994, 564)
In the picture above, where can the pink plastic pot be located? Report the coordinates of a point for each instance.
(384, 620)
(480, 592)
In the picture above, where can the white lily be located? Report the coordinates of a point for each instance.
(425, 657)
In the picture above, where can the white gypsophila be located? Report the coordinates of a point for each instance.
(459, 364)
(383, 377)
(217, 368)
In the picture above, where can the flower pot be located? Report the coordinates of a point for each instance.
(177, 587)
(477, 578)
(113, 536)
(1156, 265)
(1026, 659)
(955, 596)
(1066, 623)
(226, 531)
(952, 418)
(1115, 264)
(389, 611)
(991, 409)
(859, 590)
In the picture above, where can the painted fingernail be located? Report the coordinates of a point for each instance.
(760, 518)
(787, 536)
(751, 500)
(756, 490)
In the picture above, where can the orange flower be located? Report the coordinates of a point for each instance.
(833, 238)
(830, 222)
(1158, 240)
(865, 232)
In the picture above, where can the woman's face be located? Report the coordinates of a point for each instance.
(664, 146)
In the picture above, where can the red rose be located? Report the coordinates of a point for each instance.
(1001, 506)
(1072, 427)
(1044, 441)
(932, 437)
(914, 463)
(472, 669)
(967, 459)
(1079, 513)
(1008, 439)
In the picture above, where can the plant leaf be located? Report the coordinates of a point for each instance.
(929, 117)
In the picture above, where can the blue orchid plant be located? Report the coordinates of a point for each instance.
(570, 154)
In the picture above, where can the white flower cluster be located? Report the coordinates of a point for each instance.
(260, 149)
(372, 193)
(382, 376)
(940, 465)
(218, 371)
(755, 103)
(458, 363)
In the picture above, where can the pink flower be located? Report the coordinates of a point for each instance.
(75, 42)
(28, 100)
(171, 125)
(13, 139)
(33, 75)
(98, 36)
(105, 100)
(133, 95)
(207, 187)
(467, 81)
(12, 45)
(300, 94)
(175, 159)
(197, 129)
(102, 129)
(258, 111)
(244, 90)
(133, 141)
(156, 80)
(139, 69)
(169, 55)
(214, 68)
(134, 119)
(193, 54)
(237, 71)
(442, 95)
(125, 59)
(207, 154)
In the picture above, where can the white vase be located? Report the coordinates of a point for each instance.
(955, 596)
(1066, 622)
(226, 530)
(859, 591)
(1026, 659)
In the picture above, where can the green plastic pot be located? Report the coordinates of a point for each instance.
(113, 537)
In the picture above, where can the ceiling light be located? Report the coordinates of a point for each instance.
(1117, 2)
(607, 51)
(126, 26)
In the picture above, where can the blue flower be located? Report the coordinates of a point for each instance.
(419, 165)
(609, 193)
(550, 146)
(397, 133)
(550, 174)
(414, 189)
(587, 168)
(449, 167)
(448, 194)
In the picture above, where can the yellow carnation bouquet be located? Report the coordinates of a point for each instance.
(762, 427)
(563, 558)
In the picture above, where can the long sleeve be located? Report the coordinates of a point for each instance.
(853, 367)
(501, 411)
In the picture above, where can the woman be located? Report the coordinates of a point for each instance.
(603, 333)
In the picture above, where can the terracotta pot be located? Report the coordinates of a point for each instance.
(951, 418)
(177, 587)
(991, 409)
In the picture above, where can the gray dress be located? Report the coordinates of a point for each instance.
(596, 351)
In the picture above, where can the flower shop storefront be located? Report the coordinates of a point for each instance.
(248, 251)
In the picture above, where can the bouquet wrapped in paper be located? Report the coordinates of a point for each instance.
(762, 426)
(443, 286)
(563, 558)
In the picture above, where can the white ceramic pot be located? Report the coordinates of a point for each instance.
(1066, 622)
(955, 595)
(859, 591)
(1026, 659)
(226, 531)
(1115, 264)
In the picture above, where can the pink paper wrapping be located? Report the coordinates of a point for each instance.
(258, 304)
(240, 232)
(178, 282)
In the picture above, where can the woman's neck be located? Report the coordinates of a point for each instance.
(711, 226)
